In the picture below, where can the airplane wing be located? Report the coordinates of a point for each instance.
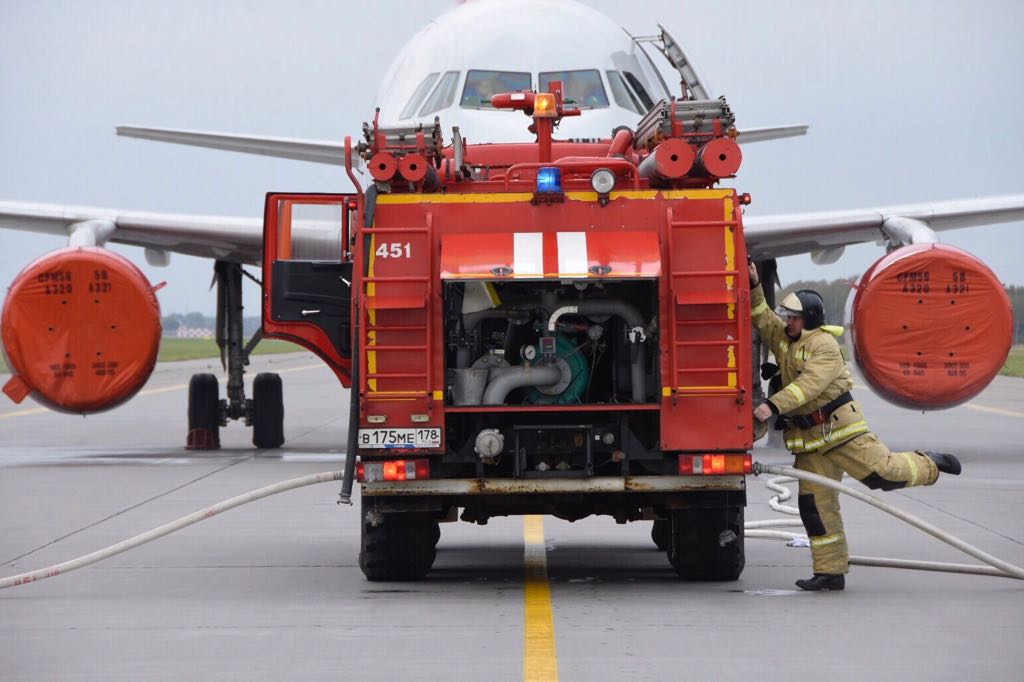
(824, 234)
(317, 151)
(333, 153)
(749, 135)
(223, 238)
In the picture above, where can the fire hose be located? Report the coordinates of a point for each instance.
(999, 568)
(996, 567)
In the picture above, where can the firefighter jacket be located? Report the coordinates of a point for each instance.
(814, 373)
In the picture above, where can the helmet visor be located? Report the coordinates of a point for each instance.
(790, 307)
(783, 311)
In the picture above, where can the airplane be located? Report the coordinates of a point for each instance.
(447, 72)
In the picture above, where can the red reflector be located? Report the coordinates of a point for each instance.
(393, 470)
(713, 465)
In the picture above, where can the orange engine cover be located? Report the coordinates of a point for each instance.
(932, 325)
(81, 330)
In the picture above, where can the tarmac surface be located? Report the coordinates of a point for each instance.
(273, 590)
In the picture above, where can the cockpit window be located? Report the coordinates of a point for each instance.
(639, 89)
(418, 95)
(443, 94)
(623, 97)
(482, 85)
(582, 88)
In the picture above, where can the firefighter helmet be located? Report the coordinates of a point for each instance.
(806, 304)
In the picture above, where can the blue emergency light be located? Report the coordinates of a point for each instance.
(549, 180)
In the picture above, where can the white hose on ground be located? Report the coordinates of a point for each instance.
(168, 528)
(753, 529)
(1000, 568)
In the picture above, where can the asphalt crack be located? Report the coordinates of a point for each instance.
(128, 509)
(962, 518)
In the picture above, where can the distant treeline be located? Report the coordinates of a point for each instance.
(200, 321)
(835, 293)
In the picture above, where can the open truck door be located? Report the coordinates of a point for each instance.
(307, 275)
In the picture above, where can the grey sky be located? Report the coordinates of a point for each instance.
(908, 101)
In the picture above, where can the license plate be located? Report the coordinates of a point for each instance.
(427, 437)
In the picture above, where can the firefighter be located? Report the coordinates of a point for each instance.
(824, 427)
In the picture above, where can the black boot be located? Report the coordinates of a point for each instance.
(947, 464)
(823, 581)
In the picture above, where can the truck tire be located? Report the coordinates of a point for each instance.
(660, 531)
(203, 413)
(267, 411)
(400, 547)
(707, 544)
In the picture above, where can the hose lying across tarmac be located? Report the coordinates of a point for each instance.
(999, 568)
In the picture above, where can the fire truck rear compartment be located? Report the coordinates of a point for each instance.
(558, 346)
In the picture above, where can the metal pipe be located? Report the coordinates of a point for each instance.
(638, 375)
(627, 311)
(672, 160)
(621, 142)
(630, 314)
(352, 442)
(517, 377)
(471, 321)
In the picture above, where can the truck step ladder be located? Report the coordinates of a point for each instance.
(395, 320)
(705, 328)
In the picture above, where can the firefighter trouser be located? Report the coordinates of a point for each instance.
(868, 460)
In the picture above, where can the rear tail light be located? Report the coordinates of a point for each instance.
(393, 470)
(715, 465)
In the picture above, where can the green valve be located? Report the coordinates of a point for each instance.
(567, 350)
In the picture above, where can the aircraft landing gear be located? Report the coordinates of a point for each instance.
(203, 413)
(265, 410)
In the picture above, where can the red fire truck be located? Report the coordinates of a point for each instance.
(557, 327)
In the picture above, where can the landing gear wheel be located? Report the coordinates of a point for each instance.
(707, 544)
(660, 532)
(267, 411)
(399, 547)
(203, 413)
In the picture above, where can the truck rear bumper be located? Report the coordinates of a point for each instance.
(513, 486)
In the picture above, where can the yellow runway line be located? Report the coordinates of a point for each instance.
(163, 389)
(146, 392)
(540, 659)
(25, 413)
(995, 410)
(973, 406)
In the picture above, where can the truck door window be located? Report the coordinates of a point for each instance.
(419, 95)
(482, 85)
(623, 97)
(443, 94)
(583, 88)
(310, 232)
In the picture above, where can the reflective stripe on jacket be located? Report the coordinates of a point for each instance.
(814, 373)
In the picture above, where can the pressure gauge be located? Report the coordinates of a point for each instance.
(529, 352)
